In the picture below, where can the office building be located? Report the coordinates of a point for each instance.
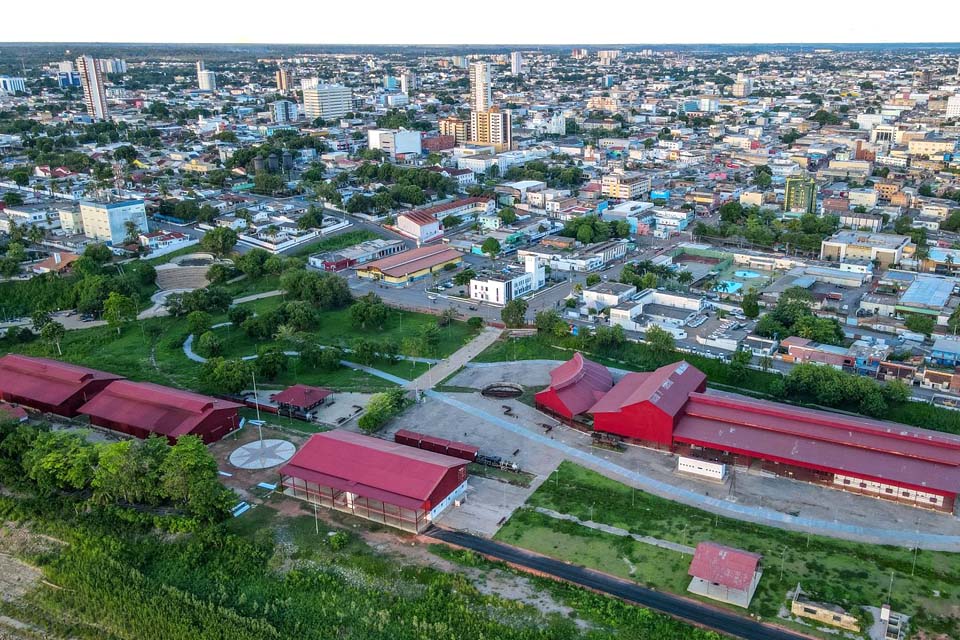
(953, 106)
(408, 82)
(516, 63)
(492, 127)
(627, 185)
(206, 80)
(326, 100)
(285, 111)
(68, 79)
(94, 94)
(743, 87)
(395, 143)
(10, 85)
(500, 288)
(480, 89)
(456, 127)
(800, 195)
(283, 80)
(107, 221)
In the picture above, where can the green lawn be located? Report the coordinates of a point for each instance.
(335, 243)
(273, 420)
(845, 573)
(248, 286)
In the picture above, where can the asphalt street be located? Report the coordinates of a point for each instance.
(687, 610)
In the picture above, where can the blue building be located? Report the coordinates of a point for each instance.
(946, 352)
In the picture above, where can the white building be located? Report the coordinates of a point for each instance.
(285, 111)
(10, 85)
(326, 101)
(663, 309)
(481, 97)
(953, 106)
(206, 80)
(395, 142)
(408, 82)
(94, 95)
(607, 294)
(499, 289)
(516, 63)
(107, 221)
(419, 225)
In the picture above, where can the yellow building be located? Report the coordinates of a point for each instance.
(455, 127)
(829, 614)
(406, 267)
(492, 127)
(629, 185)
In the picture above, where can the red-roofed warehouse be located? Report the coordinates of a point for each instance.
(383, 481)
(49, 385)
(141, 409)
(670, 409)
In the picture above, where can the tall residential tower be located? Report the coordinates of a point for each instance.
(480, 91)
(94, 95)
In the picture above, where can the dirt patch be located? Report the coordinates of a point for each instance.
(243, 481)
(18, 577)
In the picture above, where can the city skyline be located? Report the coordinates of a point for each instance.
(749, 22)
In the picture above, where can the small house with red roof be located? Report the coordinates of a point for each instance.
(724, 573)
(142, 409)
(386, 482)
(300, 399)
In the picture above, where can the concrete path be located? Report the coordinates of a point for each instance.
(258, 296)
(459, 358)
(748, 513)
(617, 531)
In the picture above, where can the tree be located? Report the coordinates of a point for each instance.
(99, 253)
(508, 215)
(60, 460)
(198, 322)
(13, 198)
(919, 323)
(684, 278)
(750, 304)
(514, 313)
(218, 273)
(219, 241)
(188, 476)
(118, 310)
(225, 376)
(660, 340)
(491, 247)
(446, 317)
(464, 277)
(271, 362)
(369, 310)
(209, 344)
(40, 318)
(129, 472)
(593, 279)
(52, 333)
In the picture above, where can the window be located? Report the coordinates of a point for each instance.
(812, 612)
(888, 490)
(933, 499)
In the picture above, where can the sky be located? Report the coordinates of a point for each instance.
(453, 21)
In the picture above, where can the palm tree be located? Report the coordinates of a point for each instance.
(684, 277)
(721, 286)
(765, 362)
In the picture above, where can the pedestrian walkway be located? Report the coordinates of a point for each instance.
(748, 513)
(617, 531)
(461, 357)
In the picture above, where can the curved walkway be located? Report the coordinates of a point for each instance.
(757, 515)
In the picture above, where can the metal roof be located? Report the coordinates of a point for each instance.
(578, 384)
(301, 395)
(370, 467)
(733, 568)
(870, 449)
(154, 408)
(667, 388)
(49, 382)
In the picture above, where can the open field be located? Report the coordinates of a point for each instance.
(844, 573)
(334, 243)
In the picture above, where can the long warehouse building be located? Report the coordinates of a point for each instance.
(670, 408)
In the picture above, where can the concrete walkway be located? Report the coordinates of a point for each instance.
(461, 357)
(617, 531)
(258, 296)
(748, 513)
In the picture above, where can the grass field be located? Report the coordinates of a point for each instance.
(845, 573)
(335, 243)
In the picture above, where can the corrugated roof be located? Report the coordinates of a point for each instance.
(46, 381)
(371, 467)
(301, 395)
(733, 568)
(151, 407)
(407, 262)
(871, 449)
(667, 388)
(579, 383)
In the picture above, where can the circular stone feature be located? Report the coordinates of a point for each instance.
(253, 456)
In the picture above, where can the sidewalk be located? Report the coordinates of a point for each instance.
(459, 358)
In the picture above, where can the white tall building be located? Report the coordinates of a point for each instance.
(953, 106)
(65, 66)
(481, 94)
(516, 63)
(325, 100)
(10, 84)
(94, 95)
(107, 221)
(285, 111)
(408, 82)
(499, 289)
(206, 80)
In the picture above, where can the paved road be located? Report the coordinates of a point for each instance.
(687, 610)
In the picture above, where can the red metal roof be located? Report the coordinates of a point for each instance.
(11, 412)
(50, 382)
(667, 388)
(733, 568)
(301, 395)
(869, 449)
(578, 384)
(456, 204)
(378, 469)
(407, 262)
(151, 407)
(422, 218)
